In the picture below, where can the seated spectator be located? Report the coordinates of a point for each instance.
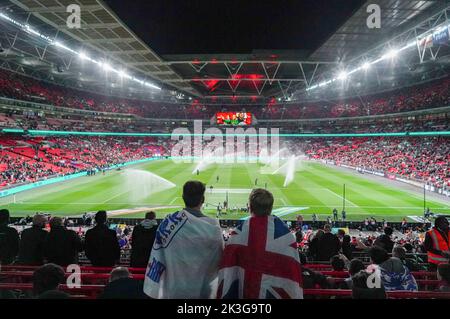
(101, 244)
(394, 275)
(9, 240)
(443, 275)
(47, 278)
(360, 289)
(31, 247)
(122, 286)
(354, 267)
(384, 241)
(187, 267)
(62, 245)
(312, 279)
(142, 241)
(328, 245)
(400, 253)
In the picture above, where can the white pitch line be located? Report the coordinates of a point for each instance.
(284, 202)
(115, 196)
(173, 200)
(354, 205)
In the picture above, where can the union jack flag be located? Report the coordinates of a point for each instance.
(260, 261)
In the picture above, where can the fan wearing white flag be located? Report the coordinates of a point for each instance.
(186, 253)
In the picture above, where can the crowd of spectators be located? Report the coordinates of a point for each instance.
(425, 158)
(429, 95)
(31, 159)
(50, 244)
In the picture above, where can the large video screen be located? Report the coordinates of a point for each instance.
(234, 118)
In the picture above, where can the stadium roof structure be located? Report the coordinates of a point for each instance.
(262, 75)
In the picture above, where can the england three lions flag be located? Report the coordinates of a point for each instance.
(260, 261)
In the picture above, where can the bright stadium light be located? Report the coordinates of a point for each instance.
(106, 67)
(366, 66)
(30, 30)
(83, 56)
(343, 75)
(391, 54)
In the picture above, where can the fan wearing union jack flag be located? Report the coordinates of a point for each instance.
(260, 260)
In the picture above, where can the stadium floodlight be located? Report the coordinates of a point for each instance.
(391, 54)
(366, 66)
(105, 66)
(83, 56)
(343, 75)
(27, 28)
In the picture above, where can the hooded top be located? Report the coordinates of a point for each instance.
(395, 276)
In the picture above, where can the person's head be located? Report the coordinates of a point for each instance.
(399, 252)
(441, 223)
(388, 231)
(47, 277)
(378, 255)
(150, 215)
(101, 217)
(337, 263)
(341, 233)
(261, 202)
(355, 266)
(56, 222)
(360, 289)
(39, 220)
(119, 273)
(194, 194)
(4, 217)
(327, 228)
(319, 233)
(346, 239)
(443, 273)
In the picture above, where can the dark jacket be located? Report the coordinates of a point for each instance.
(62, 246)
(9, 244)
(101, 246)
(124, 288)
(142, 242)
(385, 242)
(327, 246)
(31, 248)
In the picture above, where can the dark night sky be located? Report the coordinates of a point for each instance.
(233, 26)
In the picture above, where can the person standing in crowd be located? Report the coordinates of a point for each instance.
(101, 244)
(328, 245)
(142, 241)
(31, 247)
(187, 250)
(9, 240)
(437, 243)
(260, 259)
(62, 245)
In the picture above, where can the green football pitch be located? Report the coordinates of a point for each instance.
(315, 189)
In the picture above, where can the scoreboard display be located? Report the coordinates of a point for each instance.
(234, 118)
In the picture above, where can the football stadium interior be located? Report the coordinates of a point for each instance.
(341, 115)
